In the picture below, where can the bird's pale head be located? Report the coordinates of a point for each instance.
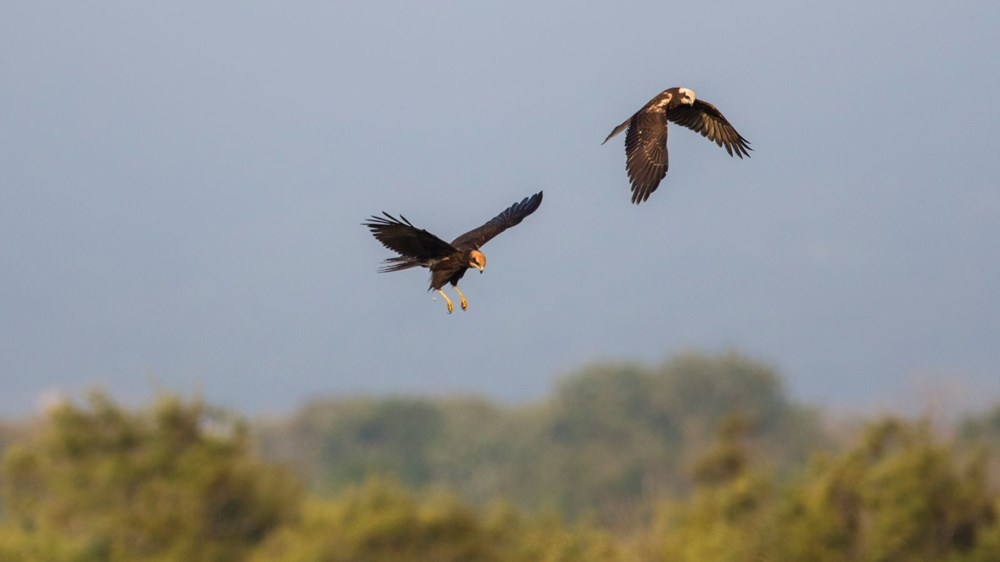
(687, 96)
(477, 260)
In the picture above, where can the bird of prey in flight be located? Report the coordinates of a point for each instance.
(447, 262)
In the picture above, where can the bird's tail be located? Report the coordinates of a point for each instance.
(398, 264)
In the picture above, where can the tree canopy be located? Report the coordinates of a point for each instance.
(702, 458)
(609, 439)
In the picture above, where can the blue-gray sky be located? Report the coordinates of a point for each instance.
(181, 187)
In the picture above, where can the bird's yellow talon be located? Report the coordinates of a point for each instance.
(451, 307)
(465, 305)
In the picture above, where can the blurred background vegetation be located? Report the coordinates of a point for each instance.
(704, 457)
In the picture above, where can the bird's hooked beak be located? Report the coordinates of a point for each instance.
(477, 260)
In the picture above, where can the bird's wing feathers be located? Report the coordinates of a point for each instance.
(407, 240)
(618, 129)
(510, 217)
(704, 118)
(646, 153)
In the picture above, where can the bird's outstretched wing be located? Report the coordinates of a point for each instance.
(407, 240)
(510, 217)
(646, 153)
(704, 118)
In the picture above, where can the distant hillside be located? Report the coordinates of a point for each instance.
(610, 438)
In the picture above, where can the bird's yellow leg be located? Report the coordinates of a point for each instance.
(463, 302)
(451, 307)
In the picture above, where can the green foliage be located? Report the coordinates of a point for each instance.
(381, 521)
(984, 427)
(338, 443)
(727, 517)
(612, 437)
(168, 484)
(5, 437)
(897, 495)
(16, 545)
(176, 483)
(981, 433)
(682, 463)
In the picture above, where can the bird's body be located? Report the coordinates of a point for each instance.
(449, 269)
(646, 159)
(447, 262)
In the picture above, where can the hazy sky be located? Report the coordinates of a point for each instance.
(182, 186)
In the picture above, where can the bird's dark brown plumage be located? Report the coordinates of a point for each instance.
(646, 158)
(447, 262)
(706, 119)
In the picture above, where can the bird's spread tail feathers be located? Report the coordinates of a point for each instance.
(398, 264)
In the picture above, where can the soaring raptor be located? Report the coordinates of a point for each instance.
(646, 139)
(447, 262)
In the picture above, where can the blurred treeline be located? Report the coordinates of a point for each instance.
(701, 458)
(611, 439)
